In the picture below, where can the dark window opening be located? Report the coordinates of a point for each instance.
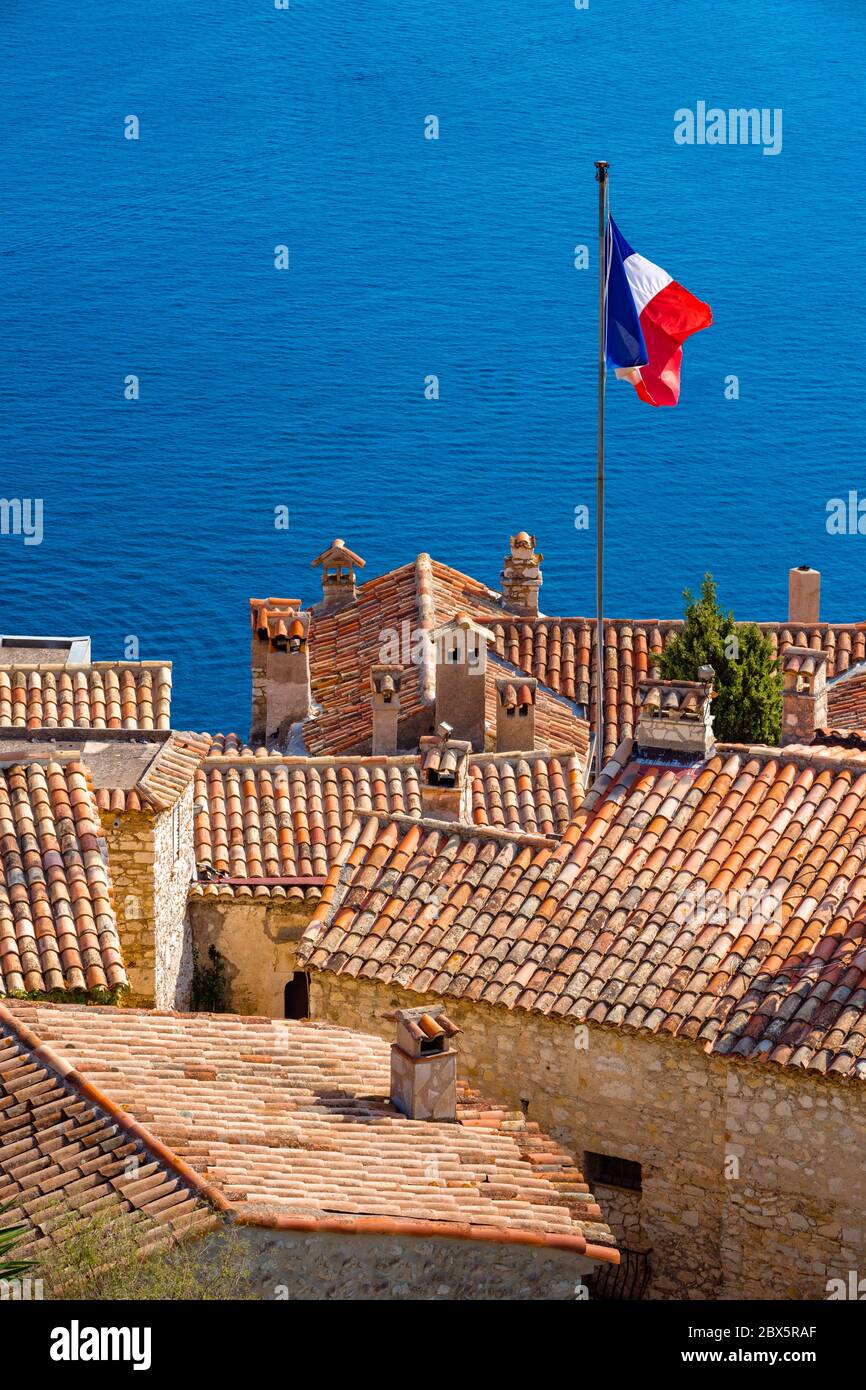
(296, 996)
(524, 710)
(606, 1170)
(509, 713)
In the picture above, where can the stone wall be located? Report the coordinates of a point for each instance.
(151, 884)
(288, 1265)
(752, 1180)
(173, 867)
(258, 939)
(129, 838)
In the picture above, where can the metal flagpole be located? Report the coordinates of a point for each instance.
(601, 178)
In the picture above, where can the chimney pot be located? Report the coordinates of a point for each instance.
(280, 666)
(445, 793)
(338, 564)
(675, 717)
(804, 694)
(521, 575)
(424, 1064)
(385, 699)
(515, 713)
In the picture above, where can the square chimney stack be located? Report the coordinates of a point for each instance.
(804, 596)
(424, 1064)
(521, 575)
(445, 776)
(804, 694)
(338, 564)
(515, 713)
(675, 719)
(385, 699)
(280, 667)
(461, 670)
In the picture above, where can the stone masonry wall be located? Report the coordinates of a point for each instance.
(129, 837)
(151, 884)
(288, 1265)
(173, 867)
(753, 1183)
(258, 940)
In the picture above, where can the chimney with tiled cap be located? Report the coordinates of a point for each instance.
(385, 699)
(804, 694)
(461, 667)
(804, 596)
(338, 565)
(445, 793)
(675, 719)
(515, 713)
(424, 1064)
(281, 667)
(521, 575)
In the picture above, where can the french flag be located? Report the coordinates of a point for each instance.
(649, 317)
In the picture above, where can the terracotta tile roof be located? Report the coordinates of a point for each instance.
(268, 817)
(105, 695)
(534, 792)
(846, 699)
(558, 651)
(164, 779)
(266, 824)
(620, 923)
(561, 653)
(289, 1124)
(840, 738)
(62, 1153)
(345, 643)
(57, 923)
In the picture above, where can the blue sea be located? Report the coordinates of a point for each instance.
(303, 388)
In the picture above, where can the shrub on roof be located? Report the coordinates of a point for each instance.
(106, 1256)
(10, 1236)
(747, 707)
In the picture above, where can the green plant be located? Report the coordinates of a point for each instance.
(210, 986)
(106, 1256)
(747, 707)
(9, 1236)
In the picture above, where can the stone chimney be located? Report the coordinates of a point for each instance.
(280, 667)
(445, 776)
(804, 596)
(515, 713)
(675, 719)
(521, 575)
(804, 694)
(424, 1064)
(385, 699)
(338, 565)
(461, 668)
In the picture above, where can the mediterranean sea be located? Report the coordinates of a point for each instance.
(262, 389)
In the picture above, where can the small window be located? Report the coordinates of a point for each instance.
(296, 996)
(509, 713)
(524, 710)
(605, 1170)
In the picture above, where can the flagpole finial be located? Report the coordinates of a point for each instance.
(601, 168)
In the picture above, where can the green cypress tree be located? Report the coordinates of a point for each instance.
(748, 682)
